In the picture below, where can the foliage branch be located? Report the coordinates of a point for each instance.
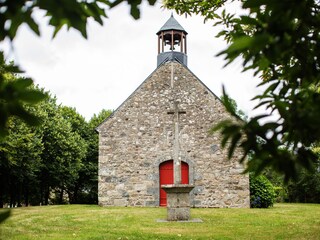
(277, 40)
(73, 14)
(280, 42)
(15, 94)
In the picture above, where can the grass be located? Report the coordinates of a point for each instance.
(284, 221)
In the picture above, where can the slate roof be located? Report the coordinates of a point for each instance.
(172, 24)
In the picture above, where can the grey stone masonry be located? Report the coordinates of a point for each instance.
(178, 201)
(140, 135)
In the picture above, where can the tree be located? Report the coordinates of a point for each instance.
(59, 156)
(63, 152)
(97, 119)
(262, 193)
(307, 187)
(72, 14)
(232, 104)
(80, 127)
(20, 149)
(86, 187)
(41, 164)
(24, 147)
(279, 41)
(16, 94)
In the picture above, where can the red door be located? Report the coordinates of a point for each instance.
(166, 177)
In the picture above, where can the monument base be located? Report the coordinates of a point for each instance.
(178, 201)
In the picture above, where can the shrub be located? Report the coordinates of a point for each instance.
(281, 194)
(261, 192)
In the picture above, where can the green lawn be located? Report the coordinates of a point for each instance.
(284, 221)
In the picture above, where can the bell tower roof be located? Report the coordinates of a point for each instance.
(172, 24)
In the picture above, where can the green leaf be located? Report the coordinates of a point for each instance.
(21, 83)
(152, 2)
(264, 63)
(256, 3)
(221, 33)
(33, 25)
(229, 104)
(248, 20)
(220, 125)
(135, 12)
(56, 30)
(115, 3)
(233, 144)
(26, 116)
(239, 44)
(32, 96)
(262, 103)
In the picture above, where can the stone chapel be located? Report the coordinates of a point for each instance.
(168, 117)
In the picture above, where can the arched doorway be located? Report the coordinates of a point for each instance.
(166, 177)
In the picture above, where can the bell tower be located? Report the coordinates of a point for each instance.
(172, 42)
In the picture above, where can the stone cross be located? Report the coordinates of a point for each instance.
(176, 148)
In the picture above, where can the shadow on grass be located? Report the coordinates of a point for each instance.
(4, 215)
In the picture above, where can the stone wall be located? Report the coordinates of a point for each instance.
(139, 136)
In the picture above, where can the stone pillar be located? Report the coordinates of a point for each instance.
(178, 201)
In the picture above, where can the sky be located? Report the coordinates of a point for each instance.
(102, 71)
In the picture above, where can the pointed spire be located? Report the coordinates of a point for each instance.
(172, 24)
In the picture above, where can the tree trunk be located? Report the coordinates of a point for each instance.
(19, 195)
(42, 193)
(1, 191)
(61, 196)
(12, 196)
(1, 199)
(26, 193)
(46, 195)
(73, 197)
